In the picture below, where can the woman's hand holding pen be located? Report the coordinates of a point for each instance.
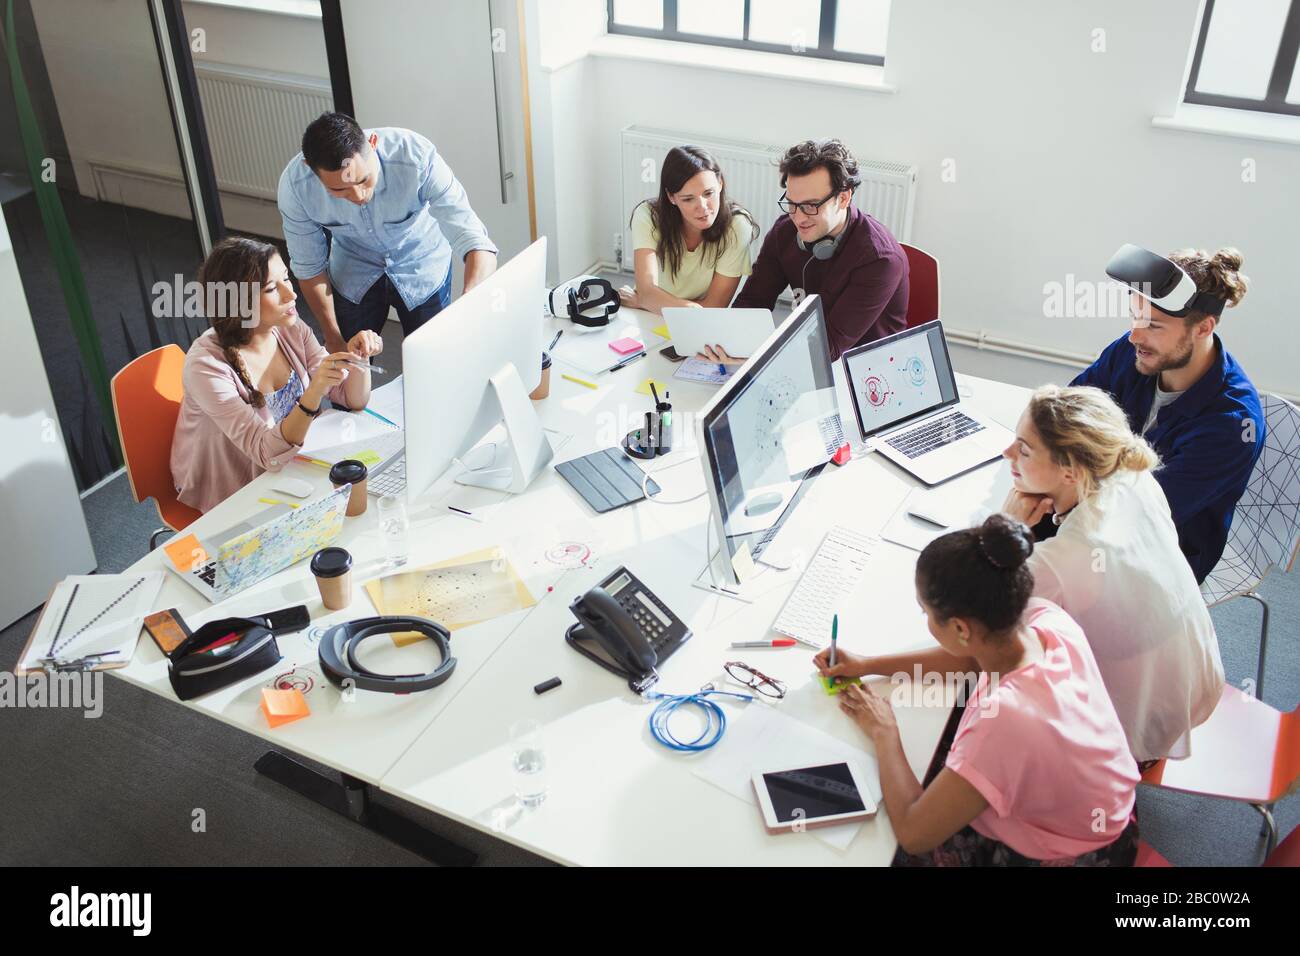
(363, 345)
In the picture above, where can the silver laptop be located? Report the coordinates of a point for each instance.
(740, 332)
(256, 554)
(905, 398)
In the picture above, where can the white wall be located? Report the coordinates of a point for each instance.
(428, 67)
(104, 70)
(44, 528)
(1056, 159)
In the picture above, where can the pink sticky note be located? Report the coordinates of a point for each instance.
(626, 346)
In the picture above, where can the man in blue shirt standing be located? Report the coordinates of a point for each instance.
(1183, 391)
(395, 214)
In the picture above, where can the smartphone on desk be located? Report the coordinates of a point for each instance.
(626, 628)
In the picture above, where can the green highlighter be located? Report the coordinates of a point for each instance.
(834, 685)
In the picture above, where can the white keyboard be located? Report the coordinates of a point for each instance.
(391, 480)
(835, 572)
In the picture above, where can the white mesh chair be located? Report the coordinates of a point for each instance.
(1265, 530)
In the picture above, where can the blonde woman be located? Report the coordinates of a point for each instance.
(1115, 565)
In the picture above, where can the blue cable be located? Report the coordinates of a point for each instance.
(715, 718)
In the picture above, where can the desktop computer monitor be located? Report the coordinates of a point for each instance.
(471, 367)
(767, 434)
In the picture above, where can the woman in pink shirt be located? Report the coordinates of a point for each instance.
(254, 382)
(1035, 770)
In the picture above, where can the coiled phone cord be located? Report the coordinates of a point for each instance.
(715, 718)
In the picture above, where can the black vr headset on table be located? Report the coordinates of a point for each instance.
(1161, 282)
(587, 300)
(339, 663)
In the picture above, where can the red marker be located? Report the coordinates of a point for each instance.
(779, 642)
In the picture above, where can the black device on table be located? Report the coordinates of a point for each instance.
(630, 624)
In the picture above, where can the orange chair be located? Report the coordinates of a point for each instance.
(1246, 751)
(146, 401)
(1149, 856)
(923, 286)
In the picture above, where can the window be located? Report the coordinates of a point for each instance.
(1246, 56)
(826, 29)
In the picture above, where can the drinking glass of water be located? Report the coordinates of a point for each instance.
(529, 762)
(394, 523)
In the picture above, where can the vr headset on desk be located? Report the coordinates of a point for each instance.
(339, 663)
(589, 301)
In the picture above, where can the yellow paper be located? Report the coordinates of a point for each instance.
(662, 331)
(464, 590)
(743, 563)
(644, 387)
(369, 458)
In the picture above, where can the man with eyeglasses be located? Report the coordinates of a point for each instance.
(824, 245)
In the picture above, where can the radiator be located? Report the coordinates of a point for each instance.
(255, 120)
(888, 190)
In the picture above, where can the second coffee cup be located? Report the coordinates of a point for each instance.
(349, 470)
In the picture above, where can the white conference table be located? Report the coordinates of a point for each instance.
(615, 796)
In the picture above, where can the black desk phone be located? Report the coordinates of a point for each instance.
(630, 624)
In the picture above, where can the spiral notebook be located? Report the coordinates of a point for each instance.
(92, 617)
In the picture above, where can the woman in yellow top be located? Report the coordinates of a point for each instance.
(691, 242)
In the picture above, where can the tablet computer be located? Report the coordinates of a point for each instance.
(739, 331)
(798, 798)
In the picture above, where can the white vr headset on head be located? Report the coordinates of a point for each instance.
(587, 300)
(1161, 282)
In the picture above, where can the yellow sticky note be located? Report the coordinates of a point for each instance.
(369, 458)
(661, 331)
(644, 387)
(832, 686)
(743, 563)
(281, 706)
(186, 553)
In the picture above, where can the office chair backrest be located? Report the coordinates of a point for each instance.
(1265, 528)
(146, 401)
(923, 286)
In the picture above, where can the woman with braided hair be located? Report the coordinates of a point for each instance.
(254, 382)
(1034, 770)
(1114, 564)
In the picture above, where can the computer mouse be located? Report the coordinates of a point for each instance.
(927, 513)
(294, 487)
(762, 503)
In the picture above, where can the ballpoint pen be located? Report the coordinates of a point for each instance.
(368, 367)
(628, 361)
(835, 633)
(554, 340)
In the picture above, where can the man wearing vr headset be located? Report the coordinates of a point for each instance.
(827, 246)
(1183, 391)
(395, 213)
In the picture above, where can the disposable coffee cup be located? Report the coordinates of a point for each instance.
(332, 568)
(351, 471)
(544, 386)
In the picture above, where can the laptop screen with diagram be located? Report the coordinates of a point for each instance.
(900, 377)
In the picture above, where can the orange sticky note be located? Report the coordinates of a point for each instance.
(283, 706)
(186, 553)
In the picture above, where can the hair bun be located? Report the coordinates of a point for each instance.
(1228, 259)
(1005, 543)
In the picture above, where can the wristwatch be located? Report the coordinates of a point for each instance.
(308, 412)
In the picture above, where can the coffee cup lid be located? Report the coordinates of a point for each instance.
(348, 471)
(331, 562)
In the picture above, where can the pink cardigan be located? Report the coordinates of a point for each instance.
(222, 442)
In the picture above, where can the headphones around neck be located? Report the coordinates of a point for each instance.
(338, 654)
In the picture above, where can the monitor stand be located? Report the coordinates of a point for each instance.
(510, 465)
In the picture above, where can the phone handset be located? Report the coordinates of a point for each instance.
(613, 629)
(626, 628)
